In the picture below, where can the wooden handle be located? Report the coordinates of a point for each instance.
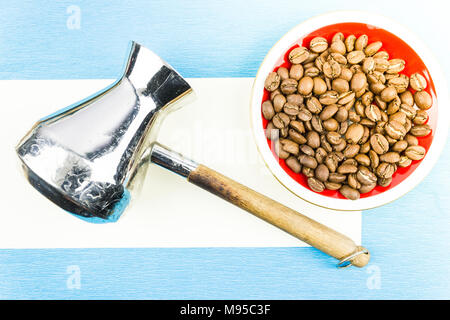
(310, 231)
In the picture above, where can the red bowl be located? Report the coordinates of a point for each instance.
(396, 48)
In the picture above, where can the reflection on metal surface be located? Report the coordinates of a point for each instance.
(87, 157)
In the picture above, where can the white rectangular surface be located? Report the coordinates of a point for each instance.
(170, 212)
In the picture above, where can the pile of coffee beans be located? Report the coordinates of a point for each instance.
(343, 114)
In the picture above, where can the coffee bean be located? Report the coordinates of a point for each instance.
(415, 152)
(388, 94)
(363, 159)
(349, 192)
(290, 146)
(418, 82)
(390, 157)
(291, 109)
(294, 98)
(322, 172)
(294, 164)
(305, 85)
(332, 185)
(395, 66)
(421, 130)
(400, 146)
(385, 170)
(404, 162)
(313, 139)
(421, 117)
(308, 161)
(316, 185)
(272, 81)
(353, 182)
(298, 55)
(412, 140)
(379, 143)
(319, 86)
(354, 133)
(267, 109)
(351, 150)
(280, 120)
(320, 155)
(373, 113)
(384, 182)
(395, 129)
(373, 48)
(365, 188)
(296, 72)
(347, 168)
(295, 136)
(280, 152)
(288, 86)
(423, 100)
(407, 98)
(304, 114)
(329, 97)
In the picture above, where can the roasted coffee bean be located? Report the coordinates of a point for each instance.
(304, 114)
(418, 82)
(267, 110)
(320, 155)
(412, 140)
(395, 66)
(354, 133)
(272, 81)
(330, 124)
(341, 115)
(343, 126)
(318, 45)
(328, 112)
(334, 138)
(319, 86)
(329, 97)
(316, 185)
(400, 146)
(298, 55)
(316, 123)
(280, 120)
(373, 113)
(280, 152)
(365, 147)
(272, 133)
(421, 117)
(340, 146)
(373, 48)
(351, 150)
(296, 72)
(347, 168)
(423, 100)
(352, 181)
(384, 182)
(421, 130)
(313, 139)
(395, 129)
(362, 159)
(415, 152)
(379, 143)
(410, 111)
(404, 162)
(294, 164)
(388, 94)
(385, 170)
(350, 43)
(308, 161)
(307, 150)
(322, 172)
(294, 98)
(407, 98)
(314, 105)
(308, 172)
(365, 188)
(374, 159)
(283, 73)
(297, 137)
(390, 157)
(332, 185)
(288, 86)
(349, 192)
(290, 146)
(278, 102)
(305, 85)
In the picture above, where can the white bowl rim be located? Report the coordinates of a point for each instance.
(442, 97)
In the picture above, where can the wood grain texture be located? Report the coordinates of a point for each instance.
(310, 231)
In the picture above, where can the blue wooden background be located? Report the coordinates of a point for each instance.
(409, 239)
